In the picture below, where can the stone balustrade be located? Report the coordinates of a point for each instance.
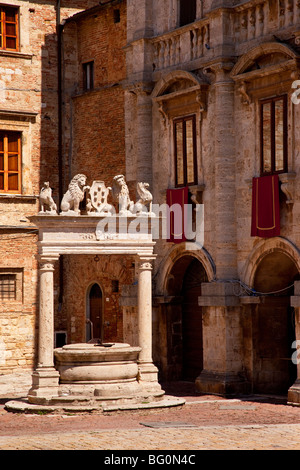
(182, 45)
(261, 17)
(251, 20)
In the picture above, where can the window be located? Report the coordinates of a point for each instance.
(187, 12)
(10, 162)
(11, 284)
(88, 75)
(9, 28)
(273, 130)
(117, 17)
(7, 286)
(115, 286)
(185, 151)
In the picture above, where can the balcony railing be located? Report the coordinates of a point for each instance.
(182, 45)
(260, 17)
(249, 21)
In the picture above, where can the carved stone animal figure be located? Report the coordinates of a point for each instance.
(75, 194)
(46, 201)
(120, 194)
(145, 198)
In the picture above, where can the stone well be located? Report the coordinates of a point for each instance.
(107, 372)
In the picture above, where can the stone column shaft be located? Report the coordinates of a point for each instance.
(45, 379)
(147, 370)
(46, 316)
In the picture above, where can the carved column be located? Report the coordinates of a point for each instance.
(147, 370)
(45, 378)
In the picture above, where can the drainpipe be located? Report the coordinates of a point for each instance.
(59, 30)
(59, 91)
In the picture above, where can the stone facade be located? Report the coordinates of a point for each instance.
(212, 320)
(218, 68)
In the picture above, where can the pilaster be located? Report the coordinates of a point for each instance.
(225, 171)
(222, 340)
(294, 390)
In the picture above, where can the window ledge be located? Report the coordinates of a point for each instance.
(25, 197)
(196, 192)
(17, 115)
(15, 54)
(287, 185)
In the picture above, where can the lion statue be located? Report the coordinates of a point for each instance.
(47, 203)
(120, 194)
(75, 194)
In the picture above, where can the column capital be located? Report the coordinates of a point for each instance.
(141, 88)
(145, 262)
(46, 263)
(221, 71)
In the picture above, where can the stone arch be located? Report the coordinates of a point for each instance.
(249, 58)
(174, 254)
(182, 274)
(271, 270)
(264, 248)
(176, 76)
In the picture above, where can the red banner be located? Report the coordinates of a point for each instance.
(265, 207)
(176, 200)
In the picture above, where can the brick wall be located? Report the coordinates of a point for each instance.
(91, 117)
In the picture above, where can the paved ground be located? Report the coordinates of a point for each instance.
(203, 423)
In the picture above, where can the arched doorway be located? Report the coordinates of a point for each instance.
(94, 313)
(184, 319)
(273, 326)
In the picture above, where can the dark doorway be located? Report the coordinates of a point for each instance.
(184, 320)
(273, 325)
(94, 313)
(192, 340)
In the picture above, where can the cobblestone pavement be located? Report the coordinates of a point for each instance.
(203, 423)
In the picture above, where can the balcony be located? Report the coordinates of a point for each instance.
(182, 45)
(260, 18)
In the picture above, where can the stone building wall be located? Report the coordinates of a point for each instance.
(234, 54)
(29, 105)
(94, 144)
(80, 273)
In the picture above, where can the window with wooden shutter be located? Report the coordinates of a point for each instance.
(185, 151)
(273, 130)
(9, 28)
(10, 162)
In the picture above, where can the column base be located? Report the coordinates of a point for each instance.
(294, 394)
(45, 383)
(148, 376)
(221, 383)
